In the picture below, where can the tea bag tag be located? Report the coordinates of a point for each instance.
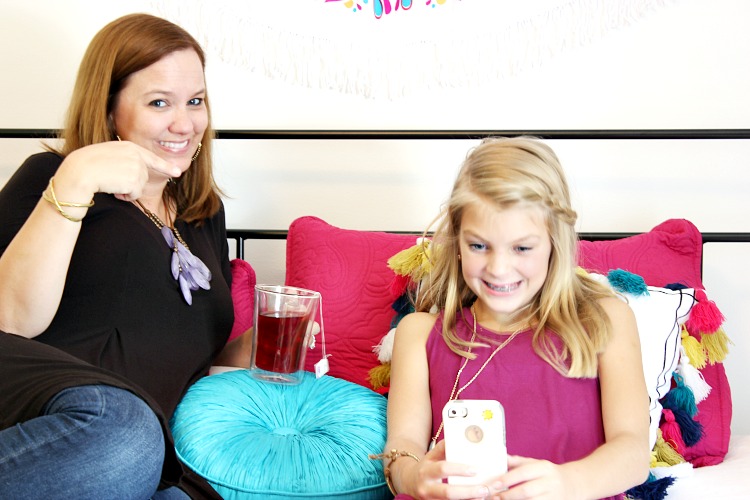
(321, 367)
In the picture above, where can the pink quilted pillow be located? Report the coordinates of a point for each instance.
(243, 295)
(669, 253)
(348, 268)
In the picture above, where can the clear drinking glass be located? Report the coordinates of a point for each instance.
(283, 320)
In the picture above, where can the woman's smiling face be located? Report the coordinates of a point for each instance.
(162, 108)
(504, 257)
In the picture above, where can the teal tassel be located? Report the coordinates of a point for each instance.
(681, 397)
(627, 282)
(402, 306)
(652, 489)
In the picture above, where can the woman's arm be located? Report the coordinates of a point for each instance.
(35, 263)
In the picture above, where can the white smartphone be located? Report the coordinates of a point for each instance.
(474, 432)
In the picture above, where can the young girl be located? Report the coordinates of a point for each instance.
(518, 324)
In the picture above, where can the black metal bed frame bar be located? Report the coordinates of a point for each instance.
(240, 236)
(670, 134)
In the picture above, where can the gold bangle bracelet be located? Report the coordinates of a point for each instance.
(392, 455)
(51, 198)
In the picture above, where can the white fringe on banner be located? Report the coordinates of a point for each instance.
(460, 44)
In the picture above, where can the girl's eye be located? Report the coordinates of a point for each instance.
(477, 247)
(523, 249)
(195, 101)
(159, 103)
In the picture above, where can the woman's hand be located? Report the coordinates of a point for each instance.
(121, 168)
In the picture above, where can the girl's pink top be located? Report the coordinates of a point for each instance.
(547, 415)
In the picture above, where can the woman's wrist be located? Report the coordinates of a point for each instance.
(73, 211)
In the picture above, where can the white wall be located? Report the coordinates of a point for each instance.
(681, 66)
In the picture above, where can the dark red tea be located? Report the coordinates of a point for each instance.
(280, 339)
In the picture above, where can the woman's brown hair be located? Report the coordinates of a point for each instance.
(123, 47)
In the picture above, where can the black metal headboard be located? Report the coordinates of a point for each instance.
(240, 236)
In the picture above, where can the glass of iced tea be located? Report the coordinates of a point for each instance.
(283, 324)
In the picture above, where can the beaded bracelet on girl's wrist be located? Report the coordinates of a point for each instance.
(392, 456)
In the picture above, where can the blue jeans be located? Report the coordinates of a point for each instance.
(93, 441)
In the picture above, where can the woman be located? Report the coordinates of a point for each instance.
(115, 262)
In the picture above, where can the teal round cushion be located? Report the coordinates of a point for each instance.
(255, 439)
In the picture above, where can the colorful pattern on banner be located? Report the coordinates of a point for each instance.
(384, 7)
(389, 49)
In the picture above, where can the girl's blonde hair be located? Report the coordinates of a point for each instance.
(507, 172)
(123, 47)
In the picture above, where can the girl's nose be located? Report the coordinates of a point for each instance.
(498, 263)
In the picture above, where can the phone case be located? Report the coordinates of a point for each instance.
(474, 432)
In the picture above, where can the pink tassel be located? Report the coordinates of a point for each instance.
(670, 431)
(705, 316)
(399, 285)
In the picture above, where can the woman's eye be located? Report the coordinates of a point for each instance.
(159, 103)
(195, 101)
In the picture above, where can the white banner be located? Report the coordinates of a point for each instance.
(391, 48)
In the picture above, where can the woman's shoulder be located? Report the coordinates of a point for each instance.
(43, 159)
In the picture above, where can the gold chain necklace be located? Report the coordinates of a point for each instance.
(160, 224)
(455, 393)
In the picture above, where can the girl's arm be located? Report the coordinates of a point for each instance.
(410, 420)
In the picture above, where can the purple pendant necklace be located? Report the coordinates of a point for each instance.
(189, 271)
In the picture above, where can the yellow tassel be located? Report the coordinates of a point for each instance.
(653, 460)
(665, 454)
(716, 345)
(380, 376)
(693, 349)
(413, 261)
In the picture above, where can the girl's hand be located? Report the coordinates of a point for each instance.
(120, 168)
(531, 478)
(428, 475)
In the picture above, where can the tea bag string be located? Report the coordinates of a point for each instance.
(321, 367)
(322, 327)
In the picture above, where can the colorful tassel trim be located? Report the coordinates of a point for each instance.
(380, 376)
(716, 345)
(693, 349)
(705, 323)
(627, 282)
(663, 454)
(653, 489)
(705, 317)
(672, 435)
(692, 378)
(680, 397)
(414, 262)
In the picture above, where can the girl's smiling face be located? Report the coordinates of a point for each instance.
(505, 258)
(162, 107)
